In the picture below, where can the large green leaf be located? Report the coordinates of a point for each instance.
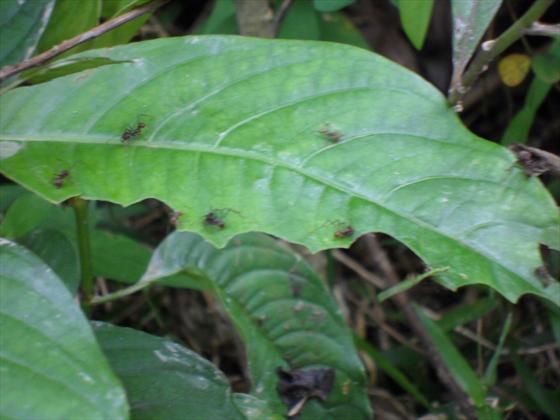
(22, 23)
(51, 365)
(295, 138)
(280, 307)
(164, 380)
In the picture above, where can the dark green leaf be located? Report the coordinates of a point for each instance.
(458, 366)
(540, 395)
(331, 5)
(518, 129)
(281, 309)
(325, 144)
(164, 380)
(300, 22)
(395, 374)
(22, 23)
(222, 20)
(336, 27)
(466, 313)
(415, 19)
(547, 65)
(69, 18)
(51, 365)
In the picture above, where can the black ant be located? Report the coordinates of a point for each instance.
(344, 233)
(132, 132)
(58, 181)
(334, 136)
(212, 219)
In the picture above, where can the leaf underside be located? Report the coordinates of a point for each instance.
(295, 138)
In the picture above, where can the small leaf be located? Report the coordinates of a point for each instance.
(415, 19)
(164, 380)
(458, 366)
(518, 129)
(547, 65)
(51, 365)
(513, 68)
(22, 23)
(470, 21)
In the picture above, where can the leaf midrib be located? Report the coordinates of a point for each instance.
(244, 154)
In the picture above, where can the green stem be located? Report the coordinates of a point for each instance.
(120, 293)
(82, 226)
(496, 47)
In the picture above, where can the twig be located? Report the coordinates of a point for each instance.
(357, 267)
(10, 70)
(543, 29)
(280, 15)
(405, 307)
(491, 49)
(255, 18)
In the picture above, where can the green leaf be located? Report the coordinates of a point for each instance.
(491, 371)
(458, 366)
(251, 137)
(22, 23)
(222, 20)
(69, 18)
(8, 194)
(31, 221)
(518, 129)
(281, 309)
(383, 363)
(58, 251)
(301, 22)
(336, 27)
(466, 313)
(541, 396)
(470, 21)
(415, 19)
(408, 283)
(164, 380)
(51, 365)
(547, 65)
(331, 5)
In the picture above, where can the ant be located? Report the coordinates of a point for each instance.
(344, 233)
(58, 181)
(132, 132)
(334, 136)
(212, 219)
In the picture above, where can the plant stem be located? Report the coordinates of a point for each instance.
(80, 207)
(38, 60)
(496, 47)
(120, 293)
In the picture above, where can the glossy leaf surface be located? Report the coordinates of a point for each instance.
(280, 308)
(295, 138)
(22, 23)
(164, 380)
(50, 363)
